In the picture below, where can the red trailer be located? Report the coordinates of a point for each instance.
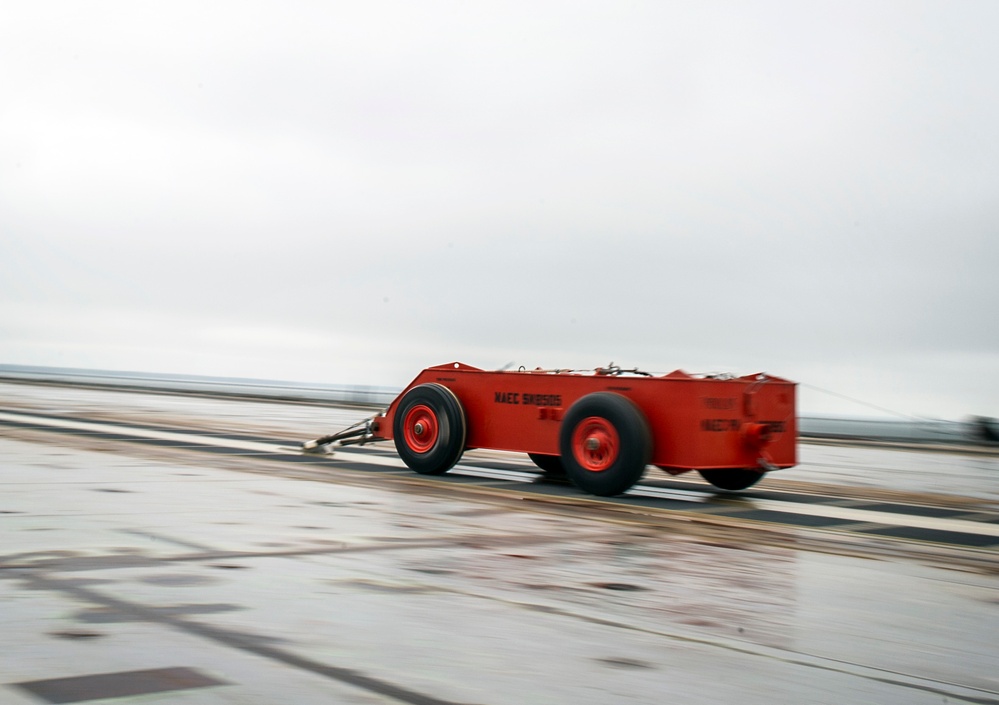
(600, 427)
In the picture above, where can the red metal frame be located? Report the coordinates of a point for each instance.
(695, 422)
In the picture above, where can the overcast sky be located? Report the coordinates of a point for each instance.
(349, 192)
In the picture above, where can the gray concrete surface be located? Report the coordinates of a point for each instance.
(115, 565)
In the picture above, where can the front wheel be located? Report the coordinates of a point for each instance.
(605, 444)
(429, 429)
(731, 478)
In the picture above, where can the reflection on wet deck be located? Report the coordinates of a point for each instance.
(268, 586)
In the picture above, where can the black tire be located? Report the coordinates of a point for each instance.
(622, 444)
(731, 479)
(551, 465)
(429, 429)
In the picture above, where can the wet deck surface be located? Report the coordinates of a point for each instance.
(129, 574)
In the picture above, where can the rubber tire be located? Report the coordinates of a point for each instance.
(634, 440)
(451, 429)
(732, 479)
(551, 465)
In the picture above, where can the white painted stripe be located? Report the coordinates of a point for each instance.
(866, 515)
(697, 496)
(490, 473)
(143, 433)
(852, 514)
(370, 459)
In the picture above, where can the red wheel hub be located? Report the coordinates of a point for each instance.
(595, 444)
(420, 428)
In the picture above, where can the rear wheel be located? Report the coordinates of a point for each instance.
(732, 478)
(551, 465)
(605, 444)
(429, 429)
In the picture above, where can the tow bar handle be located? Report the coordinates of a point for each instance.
(358, 434)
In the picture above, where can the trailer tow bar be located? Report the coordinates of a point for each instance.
(357, 434)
